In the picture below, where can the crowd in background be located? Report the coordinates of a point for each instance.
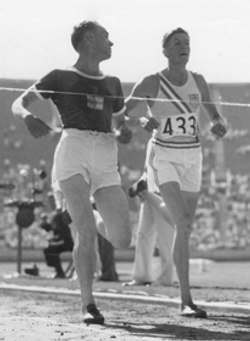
(221, 206)
(23, 184)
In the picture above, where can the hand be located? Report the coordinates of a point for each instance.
(218, 128)
(149, 124)
(124, 135)
(36, 127)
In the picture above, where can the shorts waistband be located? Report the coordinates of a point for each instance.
(176, 145)
(81, 133)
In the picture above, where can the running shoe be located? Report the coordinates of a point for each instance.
(193, 311)
(138, 187)
(93, 315)
(135, 283)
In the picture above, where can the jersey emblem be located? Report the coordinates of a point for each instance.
(95, 102)
(194, 101)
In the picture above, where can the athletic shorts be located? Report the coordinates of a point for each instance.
(174, 165)
(91, 154)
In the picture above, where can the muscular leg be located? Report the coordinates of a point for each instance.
(76, 193)
(182, 214)
(113, 207)
(158, 204)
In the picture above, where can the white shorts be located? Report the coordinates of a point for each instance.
(93, 155)
(174, 165)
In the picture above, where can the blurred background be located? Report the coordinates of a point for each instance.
(222, 224)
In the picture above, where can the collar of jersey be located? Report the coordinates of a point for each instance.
(74, 69)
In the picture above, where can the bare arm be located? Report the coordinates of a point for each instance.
(141, 93)
(20, 105)
(36, 127)
(217, 121)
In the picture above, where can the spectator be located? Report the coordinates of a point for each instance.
(61, 241)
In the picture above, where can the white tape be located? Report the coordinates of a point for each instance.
(229, 104)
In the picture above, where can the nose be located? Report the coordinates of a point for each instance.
(111, 43)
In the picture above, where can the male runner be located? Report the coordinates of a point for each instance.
(85, 160)
(174, 98)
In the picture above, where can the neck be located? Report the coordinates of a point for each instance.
(88, 66)
(176, 75)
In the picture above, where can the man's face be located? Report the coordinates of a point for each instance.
(177, 49)
(102, 43)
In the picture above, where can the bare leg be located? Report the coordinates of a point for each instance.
(182, 215)
(76, 193)
(157, 202)
(113, 207)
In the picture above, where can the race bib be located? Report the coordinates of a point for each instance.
(185, 124)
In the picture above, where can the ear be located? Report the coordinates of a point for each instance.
(89, 37)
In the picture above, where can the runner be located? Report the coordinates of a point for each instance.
(174, 98)
(85, 160)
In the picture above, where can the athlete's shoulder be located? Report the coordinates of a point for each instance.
(61, 70)
(113, 83)
(112, 78)
(198, 77)
(151, 79)
(201, 84)
(55, 73)
(150, 85)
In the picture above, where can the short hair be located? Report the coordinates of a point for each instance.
(80, 29)
(167, 36)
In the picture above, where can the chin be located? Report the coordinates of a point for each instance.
(108, 56)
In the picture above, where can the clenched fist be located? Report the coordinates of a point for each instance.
(218, 128)
(124, 134)
(149, 124)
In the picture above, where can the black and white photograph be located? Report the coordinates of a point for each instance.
(124, 170)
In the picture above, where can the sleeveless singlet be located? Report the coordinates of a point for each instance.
(177, 110)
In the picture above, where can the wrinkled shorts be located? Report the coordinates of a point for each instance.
(92, 154)
(174, 165)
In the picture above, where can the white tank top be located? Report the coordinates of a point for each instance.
(177, 109)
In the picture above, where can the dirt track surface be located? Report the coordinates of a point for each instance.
(43, 317)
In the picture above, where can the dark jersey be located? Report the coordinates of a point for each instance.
(84, 102)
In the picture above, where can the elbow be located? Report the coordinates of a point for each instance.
(15, 107)
(18, 108)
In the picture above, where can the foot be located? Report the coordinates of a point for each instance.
(135, 283)
(161, 283)
(93, 315)
(108, 279)
(138, 187)
(193, 311)
(60, 275)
